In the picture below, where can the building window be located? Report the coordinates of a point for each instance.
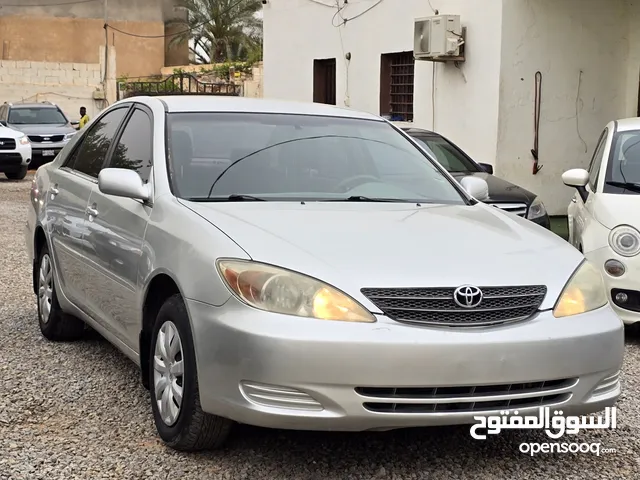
(396, 86)
(324, 81)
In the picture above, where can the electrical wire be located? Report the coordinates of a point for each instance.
(322, 3)
(70, 2)
(586, 148)
(433, 97)
(431, 7)
(227, 10)
(349, 19)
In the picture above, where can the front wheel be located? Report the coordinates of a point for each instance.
(173, 378)
(18, 175)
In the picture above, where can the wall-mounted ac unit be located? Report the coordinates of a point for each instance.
(438, 38)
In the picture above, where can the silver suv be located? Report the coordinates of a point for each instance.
(47, 127)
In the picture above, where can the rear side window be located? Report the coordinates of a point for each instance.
(133, 151)
(90, 155)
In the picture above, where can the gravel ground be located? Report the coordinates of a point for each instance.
(71, 411)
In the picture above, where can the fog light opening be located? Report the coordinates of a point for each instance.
(614, 268)
(622, 297)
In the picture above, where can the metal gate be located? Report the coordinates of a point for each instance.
(176, 84)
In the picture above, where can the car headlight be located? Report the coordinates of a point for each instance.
(282, 291)
(68, 136)
(625, 241)
(24, 140)
(536, 209)
(585, 291)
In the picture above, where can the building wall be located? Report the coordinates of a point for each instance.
(298, 31)
(69, 85)
(561, 39)
(73, 33)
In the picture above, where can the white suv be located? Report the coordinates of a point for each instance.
(15, 153)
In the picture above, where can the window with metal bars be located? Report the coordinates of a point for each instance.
(396, 86)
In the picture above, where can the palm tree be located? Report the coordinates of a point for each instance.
(222, 30)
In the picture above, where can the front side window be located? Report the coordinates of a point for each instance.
(299, 157)
(623, 170)
(36, 116)
(91, 154)
(133, 151)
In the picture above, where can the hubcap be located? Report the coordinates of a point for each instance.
(45, 287)
(168, 373)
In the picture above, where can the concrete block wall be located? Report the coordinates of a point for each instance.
(69, 85)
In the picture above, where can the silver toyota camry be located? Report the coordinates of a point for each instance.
(303, 266)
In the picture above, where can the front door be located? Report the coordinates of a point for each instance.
(115, 234)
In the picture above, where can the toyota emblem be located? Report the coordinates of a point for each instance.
(467, 296)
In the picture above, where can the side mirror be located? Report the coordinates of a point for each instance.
(122, 182)
(487, 168)
(476, 187)
(577, 177)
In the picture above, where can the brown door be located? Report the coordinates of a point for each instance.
(324, 81)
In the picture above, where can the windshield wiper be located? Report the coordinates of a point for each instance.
(235, 197)
(362, 198)
(628, 185)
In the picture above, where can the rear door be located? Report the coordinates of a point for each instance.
(116, 233)
(69, 195)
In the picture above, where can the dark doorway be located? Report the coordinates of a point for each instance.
(324, 81)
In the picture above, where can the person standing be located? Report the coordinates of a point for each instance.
(84, 118)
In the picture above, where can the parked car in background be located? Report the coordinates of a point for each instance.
(502, 193)
(303, 266)
(46, 125)
(604, 214)
(15, 153)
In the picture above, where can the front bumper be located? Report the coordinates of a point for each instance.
(630, 280)
(13, 160)
(284, 372)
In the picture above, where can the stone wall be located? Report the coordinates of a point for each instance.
(69, 85)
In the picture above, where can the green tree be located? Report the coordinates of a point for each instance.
(223, 30)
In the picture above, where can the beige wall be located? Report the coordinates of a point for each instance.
(78, 39)
(69, 85)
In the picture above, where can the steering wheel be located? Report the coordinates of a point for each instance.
(352, 182)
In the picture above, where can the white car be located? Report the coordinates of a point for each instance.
(15, 153)
(604, 214)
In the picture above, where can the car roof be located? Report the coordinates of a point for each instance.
(420, 131)
(214, 103)
(627, 124)
(31, 105)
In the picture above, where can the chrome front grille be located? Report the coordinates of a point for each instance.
(436, 306)
(466, 398)
(519, 209)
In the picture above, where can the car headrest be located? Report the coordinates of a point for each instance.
(182, 147)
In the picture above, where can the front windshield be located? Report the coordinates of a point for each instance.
(447, 155)
(36, 116)
(624, 163)
(299, 157)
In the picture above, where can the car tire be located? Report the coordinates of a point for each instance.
(179, 418)
(54, 324)
(19, 175)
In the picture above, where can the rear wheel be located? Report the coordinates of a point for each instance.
(54, 323)
(17, 175)
(173, 380)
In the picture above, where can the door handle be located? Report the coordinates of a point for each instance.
(54, 191)
(92, 212)
(573, 200)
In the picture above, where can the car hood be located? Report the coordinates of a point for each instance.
(500, 190)
(612, 210)
(353, 246)
(44, 129)
(6, 132)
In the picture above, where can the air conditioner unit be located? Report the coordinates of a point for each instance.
(438, 38)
